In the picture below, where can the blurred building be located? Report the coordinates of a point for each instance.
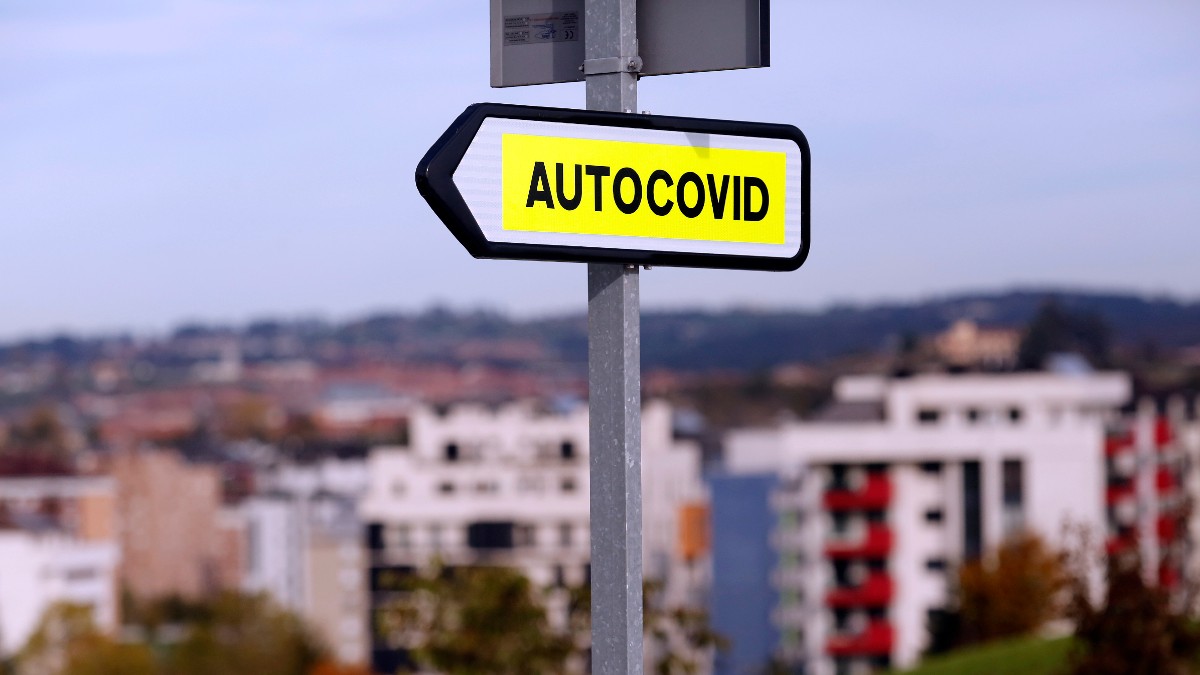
(176, 537)
(509, 486)
(304, 549)
(871, 507)
(57, 544)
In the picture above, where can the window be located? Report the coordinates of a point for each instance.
(972, 480)
(446, 488)
(560, 576)
(936, 564)
(491, 535)
(841, 524)
(564, 535)
(374, 538)
(1013, 494)
(1014, 415)
(838, 477)
(568, 484)
(452, 452)
(525, 535)
(401, 537)
(1014, 488)
(567, 450)
(928, 415)
(974, 415)
(435, 537)
(931, 467)
(934, 516)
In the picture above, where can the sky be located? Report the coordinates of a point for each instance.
(223, 160)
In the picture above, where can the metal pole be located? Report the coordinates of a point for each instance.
(614, 380)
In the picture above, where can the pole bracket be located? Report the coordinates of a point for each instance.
(612, 64)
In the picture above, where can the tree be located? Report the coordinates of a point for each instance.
(680, 637)
(248, 634)
(67, 642)
(480, 621)
(1132, 630)
(1012, 592)
(331, 668)
(1054, 329)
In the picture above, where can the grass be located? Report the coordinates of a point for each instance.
(1023, 656)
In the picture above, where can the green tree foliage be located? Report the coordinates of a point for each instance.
(480, 621)
(492, 621)
(680, 638)
(1011, 592)
(230, 635)
(67, 642)
(1133, 629)
(1054, 329)
(244, 635)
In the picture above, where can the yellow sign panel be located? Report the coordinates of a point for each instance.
(621, 188)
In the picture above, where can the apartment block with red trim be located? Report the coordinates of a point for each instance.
(1149, 497)
(879, 499)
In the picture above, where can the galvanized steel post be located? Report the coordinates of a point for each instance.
(614, 378)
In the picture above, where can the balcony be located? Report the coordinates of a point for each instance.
(790, 617)
(876, 640)
(788, 540)
(1168, 576)
(1119, 492)
(790, 578)
(1121, 544)
(1117, 444)
(1163, 433)
(1164, 480)
(876, 591)
(876, 544)
(876, 494)
(1167, 528)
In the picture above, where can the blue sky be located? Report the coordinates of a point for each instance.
(222, 160)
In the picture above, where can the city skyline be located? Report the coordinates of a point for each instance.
(210, 160)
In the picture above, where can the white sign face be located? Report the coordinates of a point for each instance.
(512, 150)
(545, 183)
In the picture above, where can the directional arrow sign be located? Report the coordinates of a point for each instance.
(530, 183)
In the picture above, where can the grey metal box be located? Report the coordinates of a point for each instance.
(542, 41)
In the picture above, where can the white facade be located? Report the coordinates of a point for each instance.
(510, 487)
(303, 548)
(879, 511)
(56, 545)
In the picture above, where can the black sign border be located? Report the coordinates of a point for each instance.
(435, 182)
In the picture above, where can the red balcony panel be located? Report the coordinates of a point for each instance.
(1168, 529)
(876, 591)
(1118, 443)
(1120, 492)
(1164, 480)
(877, 544)
(1163, 433)
(875, 494)
(1119, 545)
(876, 640)
(1168, 576)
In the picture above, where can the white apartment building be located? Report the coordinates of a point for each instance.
(509, 486)
(57, 544)
(901, 479)
(304, 549)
